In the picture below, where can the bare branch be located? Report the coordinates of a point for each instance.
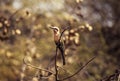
(62, 69)
(28, 64)
(79, 69)
(56, 75)
(63, 32)
(14, 13)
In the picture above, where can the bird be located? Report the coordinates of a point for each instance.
(58, 41)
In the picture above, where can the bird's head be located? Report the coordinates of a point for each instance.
(55, 29)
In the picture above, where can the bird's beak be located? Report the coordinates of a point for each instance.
(51, 27)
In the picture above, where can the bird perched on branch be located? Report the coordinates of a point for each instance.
(59, 42)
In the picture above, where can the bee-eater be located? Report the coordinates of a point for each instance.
(58, 41)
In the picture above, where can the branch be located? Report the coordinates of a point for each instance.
(62, 69)
(63, 32)
(112, 77)
(14, 13)
(28, 64)
(79, 69)
(56, 75)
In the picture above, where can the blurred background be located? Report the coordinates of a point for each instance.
(93, 31)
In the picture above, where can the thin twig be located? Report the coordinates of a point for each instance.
(78, 70)
(28, 64)
(14, 13)
(56, 75)
(63, 33)
(112, 77)
(62, 69)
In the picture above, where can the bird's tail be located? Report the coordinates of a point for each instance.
(63, 55)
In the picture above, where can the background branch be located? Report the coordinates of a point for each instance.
(28, 64)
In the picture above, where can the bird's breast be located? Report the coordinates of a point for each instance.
(56, 38)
